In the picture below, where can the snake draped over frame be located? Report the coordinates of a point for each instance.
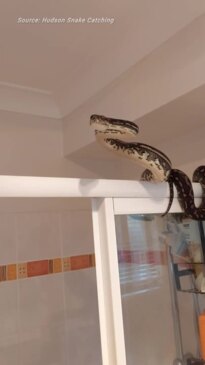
(157, 165)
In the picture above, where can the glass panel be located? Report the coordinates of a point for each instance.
(160, 320)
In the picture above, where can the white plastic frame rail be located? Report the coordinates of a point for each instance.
(109, 197)
(33, 186)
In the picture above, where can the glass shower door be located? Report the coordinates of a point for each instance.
(145, 292)
(144, 318)
(162, 287)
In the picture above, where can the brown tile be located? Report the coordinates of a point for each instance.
(11, 272)
(35, 268)
(80, 262)
(3, 273)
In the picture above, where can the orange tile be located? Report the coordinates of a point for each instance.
(11, 272)
(22, 270)
(35, 268)
(80, 262)
(57, 265)
(66, 264)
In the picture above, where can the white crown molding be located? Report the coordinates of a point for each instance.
(21, 99)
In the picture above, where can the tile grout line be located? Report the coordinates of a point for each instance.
(63, 283)
(19, 331)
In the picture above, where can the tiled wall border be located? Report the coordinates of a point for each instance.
(57, 265)
(155, 257)
(45, 267)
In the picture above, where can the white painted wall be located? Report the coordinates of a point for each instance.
(32, 145)
(187, 152)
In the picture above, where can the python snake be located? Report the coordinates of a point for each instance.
(157, 165)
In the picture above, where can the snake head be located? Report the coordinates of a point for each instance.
(93, 118)
(99, 120)
(102, 124)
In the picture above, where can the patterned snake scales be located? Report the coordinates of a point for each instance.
(157, 165)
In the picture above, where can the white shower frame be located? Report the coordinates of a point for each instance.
(109, 198)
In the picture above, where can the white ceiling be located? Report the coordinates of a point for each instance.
(175, 119)
(70, 63)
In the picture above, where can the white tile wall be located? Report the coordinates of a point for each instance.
(82, 325)
(37, 235)
(41, 302)
(77, 235)
(9, 350)
(8, 309)
(7, 238)
(43, 346)
(53, 319)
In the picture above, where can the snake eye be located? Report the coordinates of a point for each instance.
(93, 117)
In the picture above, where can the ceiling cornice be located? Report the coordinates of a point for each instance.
(17, 98)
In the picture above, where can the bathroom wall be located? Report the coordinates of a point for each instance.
(32, 145)
(186, 151)
(189, 167)
(48, 301)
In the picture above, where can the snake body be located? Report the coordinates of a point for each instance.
(185, 192)
(107, 130)
(157, 165)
